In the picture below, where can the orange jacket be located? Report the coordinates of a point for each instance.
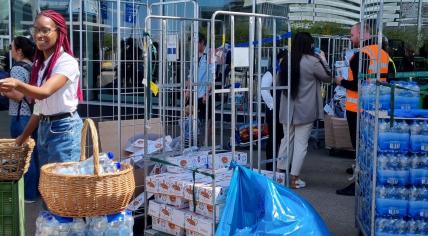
(373, 66)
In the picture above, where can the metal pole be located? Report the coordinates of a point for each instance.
(10, 33)
(119, 79)
(232, 87)
(273, 132)
(419, 39)
(259, 96)
(287, 164)
(70, 14)
(251, 87)
(195, 73)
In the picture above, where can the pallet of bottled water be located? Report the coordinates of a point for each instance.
(401, 193)
(120, 224)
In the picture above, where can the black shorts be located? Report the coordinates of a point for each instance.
(202, 108)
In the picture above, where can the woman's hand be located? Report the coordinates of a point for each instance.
(8, 84)
(322, 55)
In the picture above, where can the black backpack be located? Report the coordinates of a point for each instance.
(27, 67)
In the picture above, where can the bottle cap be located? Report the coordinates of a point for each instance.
(110, 155)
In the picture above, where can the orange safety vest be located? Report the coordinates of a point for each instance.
(372, 52)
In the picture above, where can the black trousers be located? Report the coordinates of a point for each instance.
(352, 125)
(279, 134)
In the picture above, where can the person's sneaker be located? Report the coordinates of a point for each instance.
(298, 184)
(347, 191)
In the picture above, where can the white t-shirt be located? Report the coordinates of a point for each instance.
(65, 99)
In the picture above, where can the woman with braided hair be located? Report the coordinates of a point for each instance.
(54, 87)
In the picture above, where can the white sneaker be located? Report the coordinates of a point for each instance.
(298, 184)
(301, 183)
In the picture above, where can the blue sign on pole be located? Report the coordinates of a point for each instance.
(104, 8)
(130, 13)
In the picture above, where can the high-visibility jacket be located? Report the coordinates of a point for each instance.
(372, 52)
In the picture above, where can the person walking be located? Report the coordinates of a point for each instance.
(54, 85)
(308, 70)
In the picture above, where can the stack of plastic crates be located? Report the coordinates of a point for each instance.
(12, 208)
(400, 197)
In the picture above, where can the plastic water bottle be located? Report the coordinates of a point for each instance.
(78, 227)
(400, 227)
(382, 162)
(394, 161)
(129, 222)
(382, 225)
(97, 225)
(404, 136)
(384, 99)
(384, 130)
(68, 170)
(404, 161)
(118, 225)
(41, 221)
(49, 226)
(382, 192)
(87, 166)
(424, 138)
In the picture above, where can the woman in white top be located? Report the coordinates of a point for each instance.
(55, 88)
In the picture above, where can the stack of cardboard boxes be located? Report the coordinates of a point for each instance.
(184, 205)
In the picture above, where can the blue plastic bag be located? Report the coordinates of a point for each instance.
(258, 206)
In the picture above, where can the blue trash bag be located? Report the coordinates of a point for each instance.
(258, 206)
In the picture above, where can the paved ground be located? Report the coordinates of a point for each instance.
(322, 173)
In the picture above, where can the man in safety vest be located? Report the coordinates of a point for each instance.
(374, 60)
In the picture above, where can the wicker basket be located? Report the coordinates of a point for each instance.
(14, 160)
(86, 195)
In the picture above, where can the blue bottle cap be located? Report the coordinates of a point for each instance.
(110, 155)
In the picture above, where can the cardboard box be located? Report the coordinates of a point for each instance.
(174, 229)
(178, 202)
(159, 224)
(188, 189)
(207, 209)
(154, 209)
(110, 137)
(280, 177)
(152, 182)
(176, 185)
(192, 233)
(178, 216)
(193, 160)
(161, 198)
(165, 212)
(342, 138)
(206, 193)
(198, 223)
(222, 160)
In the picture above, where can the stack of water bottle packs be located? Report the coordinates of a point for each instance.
(120, 224)
(401, 199)
(183, 201)
(406, 96)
